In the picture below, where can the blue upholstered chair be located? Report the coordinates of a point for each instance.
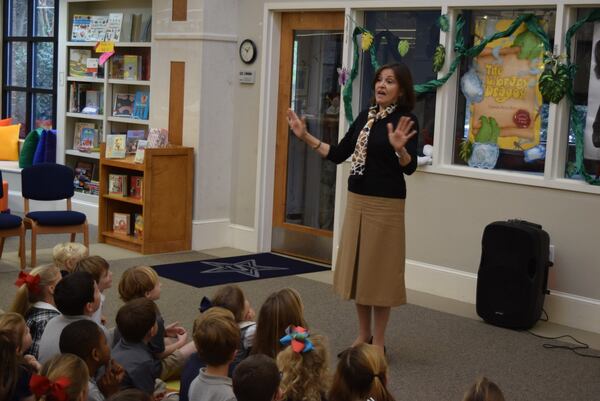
(51, 182)
(11, 226)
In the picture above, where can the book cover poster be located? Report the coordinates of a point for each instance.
(509, 69)
(591, 140)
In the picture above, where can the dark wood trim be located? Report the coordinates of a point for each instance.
(179, 10)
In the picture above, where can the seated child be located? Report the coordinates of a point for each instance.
(280, 310)
(67, 254)
(217, 338)
(170, 343)
(35, 301)
(66, 370)
(136, 322)
(193, 365)
(304, 370)
(257, 378)
(361, 374)
(9, 366)
(232, 297)
(16, 335)
(77, 297)
(484, 390)
(85, 339)
(98, 267)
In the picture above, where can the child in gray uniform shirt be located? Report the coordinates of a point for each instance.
(217, 337)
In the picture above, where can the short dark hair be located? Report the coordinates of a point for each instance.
(80, 338)
(256, 378)
(73, 292)
(136, 318)
(407, 101)
(131, 394)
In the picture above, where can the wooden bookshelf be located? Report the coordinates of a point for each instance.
(166, 203)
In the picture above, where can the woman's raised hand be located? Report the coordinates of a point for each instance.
(297, 125)
(399, 137)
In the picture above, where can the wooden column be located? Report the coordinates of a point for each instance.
(179, 10)
(176, 100)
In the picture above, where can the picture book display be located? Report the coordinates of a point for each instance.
(138, 226)
(123, 105)
(80, 27)
(141, 105)
(133, 136)
(121, 223)
(158, 138)
(78, 62)
(140, 151)
(79, 126)
(97, 28)
(115, 146)
(88, 139)
(113, 27)
(84, 172)
(136, 186)
(117, 184)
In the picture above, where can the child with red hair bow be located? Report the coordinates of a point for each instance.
(62, 378)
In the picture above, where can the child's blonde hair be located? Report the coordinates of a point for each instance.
(281, 309)
(95, 265)
(14, 326)
(305, 375)
(216, 335)
(67, 366)
(24, 298)
(136, 282)
(484, 390)
(231, 297)
(67, 254)
(361, 374)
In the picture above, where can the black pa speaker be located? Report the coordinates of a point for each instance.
(513, 273)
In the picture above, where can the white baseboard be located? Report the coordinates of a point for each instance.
(243, 237)
(219, 233)
(565, 309)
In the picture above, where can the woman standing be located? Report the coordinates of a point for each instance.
(383, 144)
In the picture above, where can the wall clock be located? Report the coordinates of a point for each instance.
(248, 51)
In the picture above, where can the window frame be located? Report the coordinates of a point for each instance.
(31, 41)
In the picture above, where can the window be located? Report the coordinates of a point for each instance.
(586, 97)
(501, 119)
(29, 55)
(421, 31)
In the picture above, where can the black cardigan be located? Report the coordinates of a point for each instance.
(384, 176)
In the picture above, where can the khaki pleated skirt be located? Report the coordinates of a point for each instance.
(370, 260)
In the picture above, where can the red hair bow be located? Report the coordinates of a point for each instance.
(33, 282)
(41, 385)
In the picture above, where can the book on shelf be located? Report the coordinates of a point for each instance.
(115, 146)
(113, 27)
(79, 28)
(136, 186)
(133, 136)
(126, 28)
(84, 172)
(78, 62)
(78, 129)
(136, 27)
(91, 67)
(93, 187)
(97, 29)
(117, 184)
(132, 67)
(140, 151)
(88, 140)
(158, 138)
(146, 30)
(93, 102)
(123, 106)
(138, 226)
(121, 222)
(141, 105)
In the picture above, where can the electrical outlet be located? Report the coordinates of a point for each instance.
(551, 253)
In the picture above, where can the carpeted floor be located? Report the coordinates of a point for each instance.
(433, 355)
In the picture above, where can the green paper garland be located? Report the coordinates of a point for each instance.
(444, 23)
(576, 117)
